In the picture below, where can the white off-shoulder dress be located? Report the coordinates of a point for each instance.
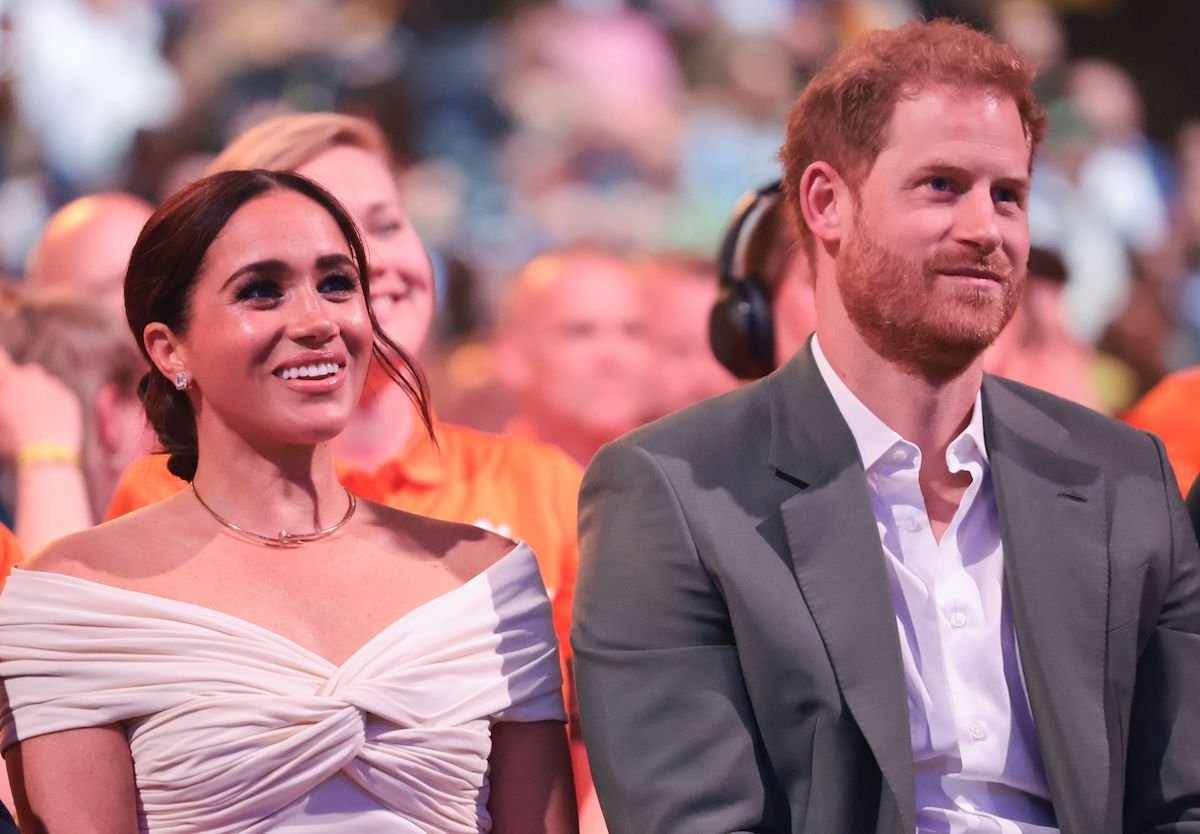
(234, 728)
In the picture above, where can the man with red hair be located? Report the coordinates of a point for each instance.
(879, 590)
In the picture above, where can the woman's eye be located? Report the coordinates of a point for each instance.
(338, 284)
(258, 290)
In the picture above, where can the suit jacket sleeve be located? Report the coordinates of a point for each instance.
(671, 737)
(1163, 763)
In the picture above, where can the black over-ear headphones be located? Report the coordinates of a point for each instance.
(741, 329)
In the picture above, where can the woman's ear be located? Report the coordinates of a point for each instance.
(825, 202)
(164, 349)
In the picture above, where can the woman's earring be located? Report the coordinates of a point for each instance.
(181, 380)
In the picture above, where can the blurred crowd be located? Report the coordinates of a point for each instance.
(529, 125)
(570, 168)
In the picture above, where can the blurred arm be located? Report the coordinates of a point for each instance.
(40, 417)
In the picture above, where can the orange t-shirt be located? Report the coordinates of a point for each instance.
(518, 488)
(10, 553)
(1171, 410)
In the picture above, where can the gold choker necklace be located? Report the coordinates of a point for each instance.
(284, 539)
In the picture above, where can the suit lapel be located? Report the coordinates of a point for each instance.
(839, 566)
(1052, 515)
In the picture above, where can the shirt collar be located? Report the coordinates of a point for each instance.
(875, 438)
(972, 441)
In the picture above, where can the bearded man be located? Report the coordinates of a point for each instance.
(879, 590)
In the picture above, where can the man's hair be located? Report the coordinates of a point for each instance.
(844, 113)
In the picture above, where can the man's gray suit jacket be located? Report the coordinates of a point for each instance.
(737, 656)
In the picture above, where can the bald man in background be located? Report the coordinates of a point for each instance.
(85, 246)
(572, 350)
(679, 293)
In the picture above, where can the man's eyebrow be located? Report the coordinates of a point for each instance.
(936, 165)
(933, 166)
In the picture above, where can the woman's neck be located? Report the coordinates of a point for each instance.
(267, 489)
(380, 427)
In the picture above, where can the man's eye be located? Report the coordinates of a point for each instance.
(939, 184)
(1005, 195)
(258, 290)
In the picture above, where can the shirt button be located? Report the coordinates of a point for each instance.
(958, 619)
(910, 524)
(899, 455)
(977, 730)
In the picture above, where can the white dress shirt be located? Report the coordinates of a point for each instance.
(976, 761)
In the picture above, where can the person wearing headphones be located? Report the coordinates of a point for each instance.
(765, 308)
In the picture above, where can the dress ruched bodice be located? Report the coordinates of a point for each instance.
(234, 728)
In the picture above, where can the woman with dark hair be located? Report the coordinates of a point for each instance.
(262, 652)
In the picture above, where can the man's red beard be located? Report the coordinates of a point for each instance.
(909, 313)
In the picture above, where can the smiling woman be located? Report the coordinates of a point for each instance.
(249, 286)
(523, 488)
(263, 652)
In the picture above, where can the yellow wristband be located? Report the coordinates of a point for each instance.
(47, 453)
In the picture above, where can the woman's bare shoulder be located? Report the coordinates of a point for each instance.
(131, 544)
(465, 549)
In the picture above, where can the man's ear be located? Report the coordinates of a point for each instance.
(825, 201)
(164, 349)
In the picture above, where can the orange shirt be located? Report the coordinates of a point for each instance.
(518, 488)
(10, 553)
(1171, 410)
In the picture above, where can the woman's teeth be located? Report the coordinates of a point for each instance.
(310, 371)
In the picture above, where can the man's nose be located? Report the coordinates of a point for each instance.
(975, 221)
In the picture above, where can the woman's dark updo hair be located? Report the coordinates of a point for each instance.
(163, 269)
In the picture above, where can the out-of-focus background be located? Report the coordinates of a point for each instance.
(570, 166)
(635, 125)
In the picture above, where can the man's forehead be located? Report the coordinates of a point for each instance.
(934, 102)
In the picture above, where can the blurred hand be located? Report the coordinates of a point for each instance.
(36, 407)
